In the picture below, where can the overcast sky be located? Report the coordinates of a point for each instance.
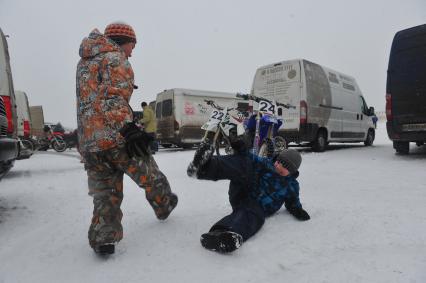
(210, 45)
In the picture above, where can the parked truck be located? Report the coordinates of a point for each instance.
(9, 144)
(180, 114)
(26, 144)
(23, 114)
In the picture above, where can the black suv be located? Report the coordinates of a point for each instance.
(406, 89)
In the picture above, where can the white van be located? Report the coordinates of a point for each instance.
(180, 114)
(329, 106)
(23, 111)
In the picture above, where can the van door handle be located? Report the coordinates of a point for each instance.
(357, 116)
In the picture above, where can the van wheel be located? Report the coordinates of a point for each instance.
(320, 142)
(401, 147)
(166, 145)
(370, 137)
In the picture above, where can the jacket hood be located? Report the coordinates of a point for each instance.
(96, 43)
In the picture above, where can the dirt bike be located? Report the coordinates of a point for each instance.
(265, 123)
(53, 140)
(222, 120)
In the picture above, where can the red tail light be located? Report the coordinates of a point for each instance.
(303, 112)
(176, 125)
(389, 107)
(27, 129)
(8, 107)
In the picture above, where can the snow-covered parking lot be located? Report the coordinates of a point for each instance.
(367, 207)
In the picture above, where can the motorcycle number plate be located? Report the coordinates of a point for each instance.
(266, 107)
(216, 116)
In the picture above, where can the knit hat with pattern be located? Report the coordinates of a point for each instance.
(120, 32)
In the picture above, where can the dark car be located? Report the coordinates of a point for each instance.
(406, 89)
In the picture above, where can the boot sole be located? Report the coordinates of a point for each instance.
(224, 242)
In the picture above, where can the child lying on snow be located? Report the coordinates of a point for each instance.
(258, 188)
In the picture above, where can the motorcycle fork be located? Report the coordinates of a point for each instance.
(257, 135)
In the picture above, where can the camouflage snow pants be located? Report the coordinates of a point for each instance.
(105, 179)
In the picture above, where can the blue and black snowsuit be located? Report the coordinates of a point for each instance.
(255, 190)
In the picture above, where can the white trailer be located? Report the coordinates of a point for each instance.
(329, 105)
(180, 114)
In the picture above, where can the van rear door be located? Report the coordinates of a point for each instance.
(281, 82)
(407, 79)
(165, 117)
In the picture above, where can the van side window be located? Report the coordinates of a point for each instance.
(348, 86)
(167, 108)
(158, 110)
(364, 107)
(333, 78)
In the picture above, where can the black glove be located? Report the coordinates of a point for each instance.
(299, 213)
(137, 141)
(238, 143)
(202, 155)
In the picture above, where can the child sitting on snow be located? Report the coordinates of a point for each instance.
(258, 188)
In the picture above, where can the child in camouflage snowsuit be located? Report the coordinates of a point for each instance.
(110, 143)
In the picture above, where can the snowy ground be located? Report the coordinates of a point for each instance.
(367, 207)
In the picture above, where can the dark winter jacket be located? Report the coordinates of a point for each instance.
(252, 177)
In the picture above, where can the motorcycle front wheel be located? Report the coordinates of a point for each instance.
(59, 145)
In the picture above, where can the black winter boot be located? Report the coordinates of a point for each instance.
(221, 241)
(106, 249)
(299, 213)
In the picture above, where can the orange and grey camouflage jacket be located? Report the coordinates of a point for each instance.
(104, 85)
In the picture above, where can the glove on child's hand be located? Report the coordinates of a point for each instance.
(201, 157)
(137, 141)
(238, 143)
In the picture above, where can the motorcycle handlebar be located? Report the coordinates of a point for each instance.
(258, 99)
(211, 103)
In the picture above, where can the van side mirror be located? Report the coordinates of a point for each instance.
(371, 111)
